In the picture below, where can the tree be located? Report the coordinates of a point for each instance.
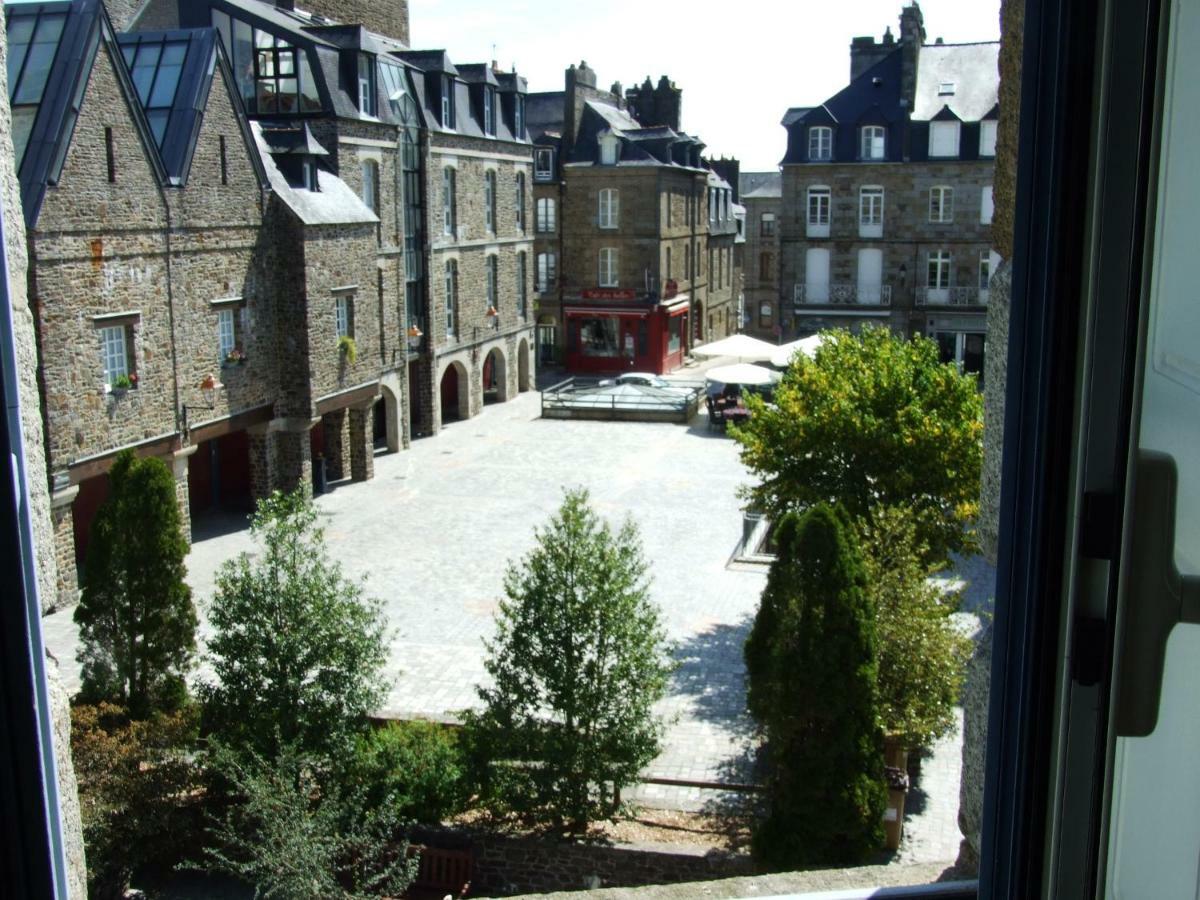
(296, 648)
(922, 655)
(873, 419)
(137, 624)
(578, 662)
(811, 669)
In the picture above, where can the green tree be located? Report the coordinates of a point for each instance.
(922, 655)
(873, 419)
(811, 668)
(297, 648)
(578, 662)
(137, 624)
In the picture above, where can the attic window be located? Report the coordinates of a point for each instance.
(946, 89)
(608, 150)
(308, 174)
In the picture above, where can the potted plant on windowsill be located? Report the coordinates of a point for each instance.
(235, 357)
(347, 349)
(122, 384)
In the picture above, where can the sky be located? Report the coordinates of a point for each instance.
(740, 63)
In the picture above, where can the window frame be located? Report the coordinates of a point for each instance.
(546, 216)
(489, 201)
(343, 315)
(370, 184)
(448, 118)
(546, 276)
(941, 200)
(870, 210)
(941, 125)
(609, 261)
(367, 93)
(522, 290)
(450, 299)
(872, 138)
(822, 137)
(987, 138)
(543, 164)
(766, 224)
(492, 281)
(116, 356)
(818, 228)
(449, 201)
(608, 214)
(519, 189)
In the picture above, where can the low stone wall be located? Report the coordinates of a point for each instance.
(503, 866)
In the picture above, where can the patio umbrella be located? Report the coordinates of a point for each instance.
(744, 374)
(784, 352)
(741, 346)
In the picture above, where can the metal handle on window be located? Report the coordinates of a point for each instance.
(1159, 597)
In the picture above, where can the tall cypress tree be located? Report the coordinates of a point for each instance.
(811, 666)
(136, 620)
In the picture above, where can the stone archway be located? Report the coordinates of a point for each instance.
(455, 392)
(524, 374)
(494, 375)
(388, 408)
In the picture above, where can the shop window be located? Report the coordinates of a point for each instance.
(598, 337)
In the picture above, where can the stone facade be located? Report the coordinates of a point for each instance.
(765, 311)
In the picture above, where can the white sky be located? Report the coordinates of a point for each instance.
(740, 63)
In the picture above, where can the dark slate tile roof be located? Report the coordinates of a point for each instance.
(765, 185)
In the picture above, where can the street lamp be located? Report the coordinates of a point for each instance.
(494, 315)
(208, 390)
(414, 337)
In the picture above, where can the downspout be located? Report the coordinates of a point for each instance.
(37, 650)
(179, 423)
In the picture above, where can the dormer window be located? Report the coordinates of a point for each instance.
(987, 137)
(820, 143)
(447, 102)
(943, 139)
(518, 116)
(608, 149)
(308, 174)
(872, 145)
(489, 111)
(543, 164)
(366, 85)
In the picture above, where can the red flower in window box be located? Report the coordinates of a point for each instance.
(133, 378)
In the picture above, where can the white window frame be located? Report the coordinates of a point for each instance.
(987, 137)
(547, 271)
(520, 201)
(492, 270)
(489, 200)
(608, 149)
(546, 216)
(489, 111)
(448, 122)
(226, 333)
(609, 212)
(767, 218)
(818, 224)
(952, 135)
(451, 299)
(366, 85)
(820, 143)
(114, 353)
(343, 315)
(987, 205)
(543, 163)
(870, 210)
(872, 142)
(941, 204)
(939, 275)
(370, 183)
(608, 274)
(449, 200)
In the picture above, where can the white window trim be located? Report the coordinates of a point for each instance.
(944, 204)
(609, 276)
(823, 135)
(114, 352)
(815, 227)
(548, 223)
(343, 315)
(489, 201)
(877, 142)
(870, 218)
(226, 332)
(609, 211)
(957, 151)
(987, 138)
(987, 205)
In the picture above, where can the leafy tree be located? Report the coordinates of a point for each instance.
(811, 668)
(578, 662)
(137, 791)
(414, 768)
(137, 624)
(296, 648)
(295, 831)
(873, 419)
(922, 655)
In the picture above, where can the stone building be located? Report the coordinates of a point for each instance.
(227, 226)
(630, 226)
(887, 194)
(766, 316)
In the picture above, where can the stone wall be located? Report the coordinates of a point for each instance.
(387, 17)
(761, 269)
(44, 522)
(503, 866)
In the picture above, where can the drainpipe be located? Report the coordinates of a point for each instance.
(51, 824)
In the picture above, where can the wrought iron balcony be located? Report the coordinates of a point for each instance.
(952, 296)
(842, 295)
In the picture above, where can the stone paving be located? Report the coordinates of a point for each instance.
(431, 535)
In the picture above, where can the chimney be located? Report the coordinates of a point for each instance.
(912, 36)
(864, 53)
(386, 17)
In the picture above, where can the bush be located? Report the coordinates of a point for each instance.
(295, 832)
(578, 663)
(138, 791)
(413, 768)
(811, 672)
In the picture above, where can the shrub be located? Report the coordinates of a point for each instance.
(413, 768)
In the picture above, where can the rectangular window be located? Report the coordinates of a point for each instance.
(870, 211)
(343, 308)
(451, 298)
(986, 205)
(820, 143)
(687, 261)
(543, 164)
(598, 337)
(547, 271)
(608, 267)
(545, 215)
(110, 156)
(489, 201)
(519, 116)
(520, 202)
(670, 274)
(448, 200)
(489, 112)
(987, 138)
(447, 102)
(226, 333)
(937, 277)
(308, 172)
(608, 208)
(985, 274)
(521, 286)
(941, 204)
(114, 354)
(765, 313)
(370, 185)
(872, 146)
(943, 139)
(492, 294)
(366, 85)
(224, 162)
(767, 224)
(818, 211)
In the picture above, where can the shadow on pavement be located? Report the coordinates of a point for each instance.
(712, 673)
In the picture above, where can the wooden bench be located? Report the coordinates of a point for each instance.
(440, 873)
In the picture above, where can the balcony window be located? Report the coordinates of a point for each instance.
(872, 145)
(820, 143)
(870, 211)
(818, 211)
(937, 277)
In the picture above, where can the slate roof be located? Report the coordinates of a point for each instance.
(639, 146)
(765, 185)
(972, 71)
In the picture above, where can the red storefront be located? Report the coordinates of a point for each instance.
(612, 330)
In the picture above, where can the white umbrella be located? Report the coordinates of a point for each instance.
(744, 374)
(783, 354)
(741, 346)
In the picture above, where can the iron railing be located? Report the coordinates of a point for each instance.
(842, 295)
(952, 296)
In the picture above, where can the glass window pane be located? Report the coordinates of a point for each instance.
(310, 98)
(173, 54)
(286, 60)
(164, 86)
(50, 29)
(266, 62)
(20, 32)
(262, 39)
(22, 119)
(221, 22)
(158, 124)
(243, 62)
(129, 51)
(288, 89)
(37, 68)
